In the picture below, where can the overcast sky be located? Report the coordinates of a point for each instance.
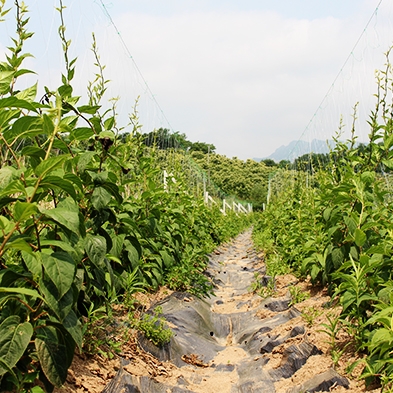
(247, 76)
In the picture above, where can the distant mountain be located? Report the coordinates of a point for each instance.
(298, 148)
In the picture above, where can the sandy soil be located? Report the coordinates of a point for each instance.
(92, 373)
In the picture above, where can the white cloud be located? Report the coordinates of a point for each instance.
(244, 81)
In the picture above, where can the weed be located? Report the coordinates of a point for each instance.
(96, 338)
(332, 328)
(153, 327)
(310, 314)
(297, 295)
(261, 288)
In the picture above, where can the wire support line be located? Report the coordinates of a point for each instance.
(338, 74)
(108, 15)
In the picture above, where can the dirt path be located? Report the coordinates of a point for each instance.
(235, 341)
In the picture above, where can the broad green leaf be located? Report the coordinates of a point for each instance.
(326, 213)
(61, 306)
(368, 177)
(36, 389)
(52, 353)
(385, 295)
(26, 126)
(23, 71)
(5, 222)
(14, 339)
(5, 81)
(7, 174)
(117, 245)
(58, 243)
(107, 134)
(360, 237)
(8, 277)
(60, 268)
(67, 123)
(96, 121)
(388, 141)
(65, 90)
(18, 244)
(113, 258)
(6, 115)
(57, 182)
(337, 257)
(66, 214)
(89, 109)
(100, 198)
(388, 163)
(95, 247)
(99, 178)
(73, 326)
(14, 102)
(351, 224)
(81, 134)
(348, 298)
(113, 189)
(28, 94)
(50, 165)
(61, 145)
(167, 259)
(85, 160)
(382, 336)
(108, 123)
(133, 255)
(74, 180)
(33, 262)
(15, 187)
(366, 298)
(33, 151)
(24, 210)
(157, 274)
(22, 291)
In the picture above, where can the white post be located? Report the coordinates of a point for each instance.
(269, 190)
(241, 208)
(165, 182)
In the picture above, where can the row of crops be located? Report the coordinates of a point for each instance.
(336, 226)
(86, 219)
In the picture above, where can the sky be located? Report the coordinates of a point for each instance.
(245, 75)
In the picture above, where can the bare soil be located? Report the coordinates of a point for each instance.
(91, 373)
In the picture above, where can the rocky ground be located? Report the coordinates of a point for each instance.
(234, 341)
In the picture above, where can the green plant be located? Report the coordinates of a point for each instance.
(379, 342)
(257, 286)
(153, 327)
(310, 314)
(332, 221)
(332, 328)
(131, 283)
(297, 295)
(97, 327)
(86, 219)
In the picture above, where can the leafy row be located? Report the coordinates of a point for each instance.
(86, 219)
(336, 227)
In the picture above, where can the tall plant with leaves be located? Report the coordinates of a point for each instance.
(346, 241)
(86, 219)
